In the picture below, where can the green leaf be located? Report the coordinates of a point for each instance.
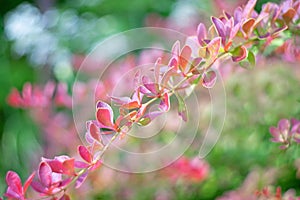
(144, 121)
(249, 62)
(182, 109)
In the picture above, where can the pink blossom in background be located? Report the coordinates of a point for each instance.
(286, 132)
(190, 170)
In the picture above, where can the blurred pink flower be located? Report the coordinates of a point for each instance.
(193, 170)
(32, 96)
(285, 132)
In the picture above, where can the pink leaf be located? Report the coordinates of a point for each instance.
(149, 117)
(173, 63)
(238, 12)
(137, 79)
(85, 153)
(95, 132)
(176, 48)
(120, 100)
(45, 174)
(249, 8)
(157, 66)
(81, 179)
(65, 182)
(28, 181)
(219, 26)
(96, 165)
(209, 79)
(37, 186)
(14, 182)
(13, 194)
(81, 165)
(201, 34)
(152, 87)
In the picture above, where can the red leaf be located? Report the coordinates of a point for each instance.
(56, 165)
(289, 15)
(239, 54)
(131, 105)
(28, 181)
(185, 55)
(45, 173)
(247, 25)
(95, 132)
(85, 153)
(69, 167)
(104, 117)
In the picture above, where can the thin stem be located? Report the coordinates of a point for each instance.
(107, 146)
